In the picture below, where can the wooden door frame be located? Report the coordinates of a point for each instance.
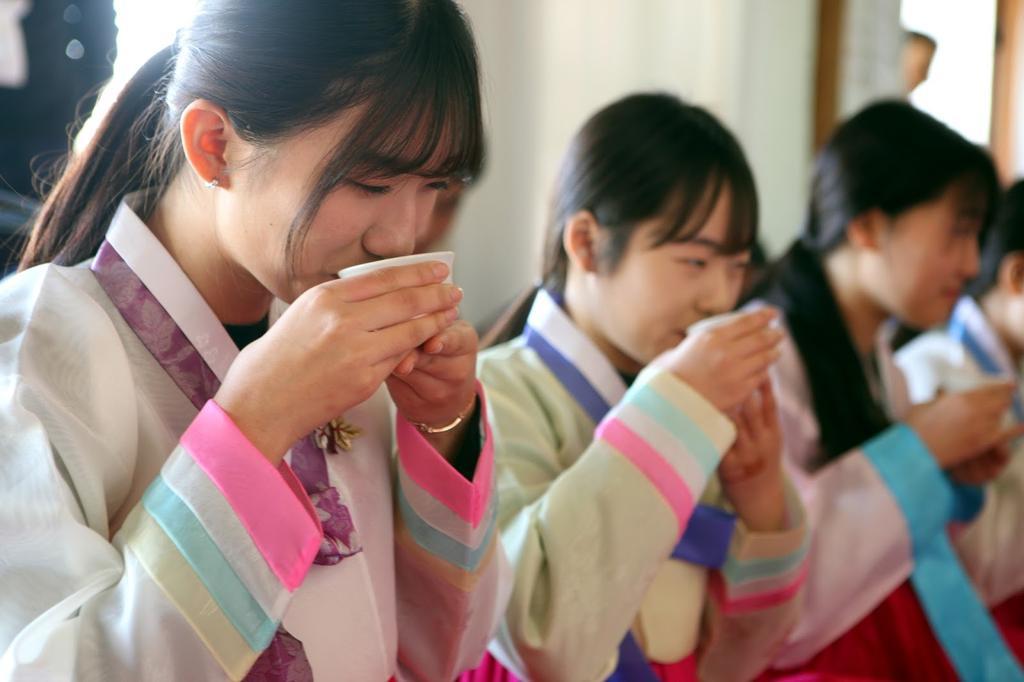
(826, 72)
(1007, 90)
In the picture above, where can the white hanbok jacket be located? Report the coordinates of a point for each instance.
(143, 537)
(991, 547)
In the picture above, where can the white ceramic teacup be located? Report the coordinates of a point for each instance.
(717, 321)
(446, 257)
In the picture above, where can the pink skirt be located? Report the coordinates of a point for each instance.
(895, 642)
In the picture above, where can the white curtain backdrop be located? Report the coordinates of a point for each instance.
(549, 64)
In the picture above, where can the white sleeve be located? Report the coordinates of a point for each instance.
(196, 580)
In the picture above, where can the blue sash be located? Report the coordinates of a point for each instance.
(958, 617)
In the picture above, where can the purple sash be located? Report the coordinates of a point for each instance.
(284, 659)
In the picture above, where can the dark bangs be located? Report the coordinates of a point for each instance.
(420, 115)
(648, 156)
(694, 200)
(683, 165)
(978, 191)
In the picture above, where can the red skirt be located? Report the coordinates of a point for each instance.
(895, 642)
(490, 670)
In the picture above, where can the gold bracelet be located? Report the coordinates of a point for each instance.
(431, 430)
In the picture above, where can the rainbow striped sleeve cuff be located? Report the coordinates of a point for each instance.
(671, 434)
(445, 522)
(226, 537)
(764, 569)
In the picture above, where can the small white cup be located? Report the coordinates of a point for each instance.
(716, 321)
(725, 318)
(446, 257)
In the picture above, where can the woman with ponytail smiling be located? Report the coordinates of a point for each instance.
(897, 207)
(192, 487)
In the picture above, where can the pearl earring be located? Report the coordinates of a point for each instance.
(210, 184)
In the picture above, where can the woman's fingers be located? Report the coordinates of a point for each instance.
(383, 281)
(769, 408)
(399, 339)
(745, 325)
(1010, 433)
(991, 399)
(755, 343)
(748, 418)
(458, 339)
(407, 364)
(403, 305)
(757, 365)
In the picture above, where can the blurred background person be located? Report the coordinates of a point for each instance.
(918, 53)
(54, 56)
(68, 53)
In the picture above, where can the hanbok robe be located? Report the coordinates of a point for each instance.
(143, 537)
(597, 483)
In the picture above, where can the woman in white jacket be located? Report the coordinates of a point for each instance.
(984, 342)
(191, 489)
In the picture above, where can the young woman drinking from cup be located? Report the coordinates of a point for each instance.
(192, 489)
